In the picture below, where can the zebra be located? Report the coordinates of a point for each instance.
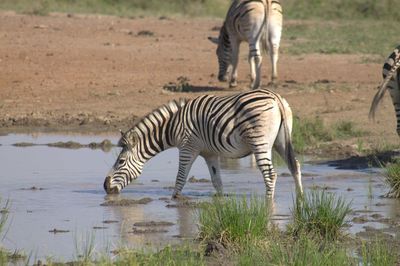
(231, 126)
(391, 80)
(258, 22)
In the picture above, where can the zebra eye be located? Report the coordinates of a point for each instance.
(121, 161)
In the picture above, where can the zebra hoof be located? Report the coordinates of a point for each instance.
(233, 84)
(272, 84)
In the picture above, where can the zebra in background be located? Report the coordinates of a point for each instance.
(391, 81)
(232, 126)
(258, 22)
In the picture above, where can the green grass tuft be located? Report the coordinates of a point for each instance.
(392, 178)
(378, 252)
(319, 213)
(234, 221)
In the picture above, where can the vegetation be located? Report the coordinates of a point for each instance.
(351, 37)
(342, 9)
(301, 251)
(309, 132)
(126, 8)
(319, 213)
(234, 221)
(183, 255)
(392, 178)
(293, 9)
(377, 252)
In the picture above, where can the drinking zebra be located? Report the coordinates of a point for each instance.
(232, 126)
(391, 81)
(258, 22)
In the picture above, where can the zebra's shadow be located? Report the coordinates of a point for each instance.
(192, 88)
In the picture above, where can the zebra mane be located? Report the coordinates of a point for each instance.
(128, 138)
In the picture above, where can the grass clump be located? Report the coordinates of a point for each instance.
(234, 221)
(319, 213)
(308, 132)
(377, 252)
(183, 255)
(392, 178)
(346, 129)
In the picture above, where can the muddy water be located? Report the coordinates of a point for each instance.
(60, 190)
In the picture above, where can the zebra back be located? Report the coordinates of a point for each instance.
(394, 66)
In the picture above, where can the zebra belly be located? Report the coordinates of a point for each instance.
(239, 151)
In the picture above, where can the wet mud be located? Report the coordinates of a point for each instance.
(126, 202)
(105, 145)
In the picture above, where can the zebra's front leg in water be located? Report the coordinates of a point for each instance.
(186, 158)
(214, 168)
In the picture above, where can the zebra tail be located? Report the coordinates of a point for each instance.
(264, 38)
(382, 89)
(289, 149)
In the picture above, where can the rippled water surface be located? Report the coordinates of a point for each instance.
(69, 192)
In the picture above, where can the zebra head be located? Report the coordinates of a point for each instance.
(223, 52)
(127, 166)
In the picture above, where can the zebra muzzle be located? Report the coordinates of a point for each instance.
(108, 188)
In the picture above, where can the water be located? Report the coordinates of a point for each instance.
(72, 191)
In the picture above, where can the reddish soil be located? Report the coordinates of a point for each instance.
(97, 73)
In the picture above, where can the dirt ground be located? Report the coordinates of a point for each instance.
(67, 72)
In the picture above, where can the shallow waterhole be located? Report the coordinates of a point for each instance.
(56, 195)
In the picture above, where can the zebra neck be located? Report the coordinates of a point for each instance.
(224, 38)
(159, 130)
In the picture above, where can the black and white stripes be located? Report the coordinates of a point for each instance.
(391, 81)
(232, 126)
(258, 22)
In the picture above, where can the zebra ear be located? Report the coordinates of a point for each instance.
(130, 139)
(124, 140)
(213, 39)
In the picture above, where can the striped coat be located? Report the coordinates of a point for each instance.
(391, 81)
(232, 126)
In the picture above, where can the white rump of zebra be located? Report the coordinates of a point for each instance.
(257, 22)
(233, 126)
(391, 81)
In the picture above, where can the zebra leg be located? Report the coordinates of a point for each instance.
(255, 65)
(274, 38)
(214, 168)
(264, 163)
(186, 159)
(274, 54)
(235, 60)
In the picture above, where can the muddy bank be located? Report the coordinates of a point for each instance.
(126, 202)
(105, 145)
(67, 122)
